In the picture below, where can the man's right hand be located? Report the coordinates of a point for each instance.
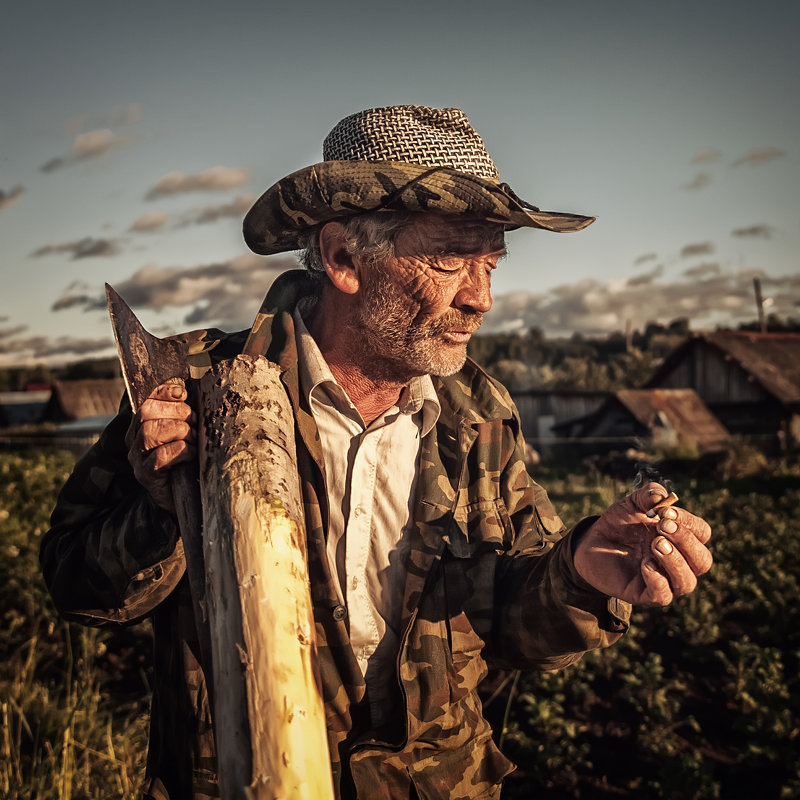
(161, 435)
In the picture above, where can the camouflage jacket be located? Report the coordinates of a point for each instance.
(490, 575)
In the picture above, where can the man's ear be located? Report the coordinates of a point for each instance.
(337, 261)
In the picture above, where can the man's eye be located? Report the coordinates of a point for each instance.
(447, 263)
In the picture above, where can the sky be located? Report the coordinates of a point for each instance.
(134, 136)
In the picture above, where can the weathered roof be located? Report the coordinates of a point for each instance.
(92, 397)
(678, 410)
(669, 415)
(773, 359)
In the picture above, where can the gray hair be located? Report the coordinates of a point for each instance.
(369, 236)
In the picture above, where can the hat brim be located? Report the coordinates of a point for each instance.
(334, 189)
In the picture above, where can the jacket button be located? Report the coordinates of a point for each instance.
(339, 613)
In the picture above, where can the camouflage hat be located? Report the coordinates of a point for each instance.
(409, 158)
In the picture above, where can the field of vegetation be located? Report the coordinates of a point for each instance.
(700, 700)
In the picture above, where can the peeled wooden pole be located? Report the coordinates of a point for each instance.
(268, 712)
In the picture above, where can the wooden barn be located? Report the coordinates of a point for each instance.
(22, 408)
(542, 411)
(84, 399)
(673, 419)
(750, 381)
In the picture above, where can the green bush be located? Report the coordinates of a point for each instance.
(699, 700)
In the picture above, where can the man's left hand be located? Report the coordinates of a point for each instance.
(643, 559)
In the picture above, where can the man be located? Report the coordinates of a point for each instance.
(429, 545)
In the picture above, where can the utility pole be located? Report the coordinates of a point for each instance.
(760, 305)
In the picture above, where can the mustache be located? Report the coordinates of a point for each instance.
(455, 320)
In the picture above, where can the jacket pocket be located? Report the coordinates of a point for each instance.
(480, 531)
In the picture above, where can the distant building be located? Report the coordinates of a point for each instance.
(673, 419)
(93, 397)
(23, 408)
(750, 381)
(541, 411)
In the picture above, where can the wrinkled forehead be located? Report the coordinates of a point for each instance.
(452, 234)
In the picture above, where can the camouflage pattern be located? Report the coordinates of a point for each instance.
(334, 189)
(490, 576)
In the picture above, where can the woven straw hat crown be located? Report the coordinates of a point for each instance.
(432, 137)
(412, 158)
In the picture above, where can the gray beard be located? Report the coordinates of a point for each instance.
(392, 346)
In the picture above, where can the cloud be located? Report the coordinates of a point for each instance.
(697, 249)
(757, 157)
(11, 196)
(226, 294)
(40, 347)
(96, 143)
(152, 221)
(599, 308)
(699, 181)
(87, 247)
(646, 277)
(706, 155)
(236, 209)
(754, 232)
(644, 258)
(89, 145)
(702, 271)
(7, 333)
(125, 115)
(212, 179)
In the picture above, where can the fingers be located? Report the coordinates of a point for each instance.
(161, 435)
(155, 432)
(679, 551)
(645, 498)
(689, 535)
(657, 589)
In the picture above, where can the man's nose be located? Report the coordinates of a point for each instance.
(475, 292)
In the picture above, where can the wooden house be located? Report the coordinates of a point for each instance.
(672, 419)
(542, 411)
(22, 408)
(82, 399)
(749, 381)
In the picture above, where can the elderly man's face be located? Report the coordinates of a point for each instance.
(420, 307)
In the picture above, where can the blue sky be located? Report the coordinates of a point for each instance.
(134, 136)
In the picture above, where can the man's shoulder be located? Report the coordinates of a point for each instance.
(474, 394)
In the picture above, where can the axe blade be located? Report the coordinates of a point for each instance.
(146, 360)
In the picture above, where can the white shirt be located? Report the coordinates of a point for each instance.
(370, 475)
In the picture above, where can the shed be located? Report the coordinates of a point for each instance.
(22, 408)
(542, 411)
(750, 381)
(670, 418)
(93, 397)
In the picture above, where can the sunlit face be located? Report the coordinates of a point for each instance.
(419, 308)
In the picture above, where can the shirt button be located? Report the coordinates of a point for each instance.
(339, 613)
(358, 512)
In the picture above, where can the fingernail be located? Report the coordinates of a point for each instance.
(650, 565)
(664, 546)
(176, 392)
(668, 526)
(669, 513)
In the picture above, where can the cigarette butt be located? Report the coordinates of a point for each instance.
(668, 501)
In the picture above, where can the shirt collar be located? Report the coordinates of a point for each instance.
(314, 372)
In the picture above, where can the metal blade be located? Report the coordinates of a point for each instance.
(146, 360)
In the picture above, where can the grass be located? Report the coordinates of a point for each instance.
(73, 713)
